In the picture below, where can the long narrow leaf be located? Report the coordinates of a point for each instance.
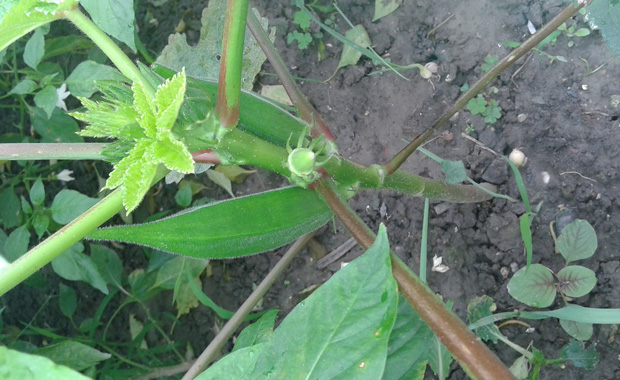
(238, 227)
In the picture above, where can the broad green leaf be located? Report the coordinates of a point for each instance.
(578, 330)
(454, 171)
(258, 332)
(72, 354)
(183, 197)
(439, 359)
(34, 49)
(37, 192)
(577, 241)
(579, 355)
(40, 222)
(236, 174)
(342, 330)
(175, 271)
(108, 263)
(17, 365)
(385, 7)
(237, 365)
(238, 227)
(202, 61)
(9, 208)
(67, 300)
(604, 15)
(534, 286)
(221, 180)
(69, 204)
(576, 281)
(409, 345)
(481, 307)
(350, 56)
(26, 86)
(59, 128)
(73, 265)
(26, 207)
(16, 244)
(46, 99)
(115, 17)
(82, 83)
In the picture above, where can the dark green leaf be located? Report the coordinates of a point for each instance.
(37, 192)
(46, 99)
(9, 208)
(176, 269)
(183, 197)
(258, 332)
(108, 263)
(115, 17)
(40, 222)
(409, 345)
(73, 265)
(237, 365)
(576, 281)
(67, 300)
(16, 244)
(81, 82)
(534, 286)
(341, 330)
(17, 365)
(208, 302)
(238, 227)
(24, 87)
(604, 15)
(577, 241)
(578, 330)
(481, 307)
(525, 226)
(69, 204)
(59, 128)
(26, 207)
(35, 48)
(72, 354)
(580, 357)
(454, 171)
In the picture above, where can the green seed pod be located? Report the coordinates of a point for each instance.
(302, 161)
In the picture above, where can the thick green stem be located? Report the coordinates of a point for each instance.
(306, 110)
(52, 151)
(473, 355)
(59, 242)
(501, 66)
(229, 87)
(105, 43)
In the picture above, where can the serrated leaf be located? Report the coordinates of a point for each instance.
(580, 357)
(168, 101)
(604, 15)
(221, 180)
(202, 60)
(479, 308)
(37, 192)
(576, 281)
(350, 55)
(67, 300)
(408, 347)
(34, 49)
(174, 155)
(73, 265)
(72, 354)
(17, 365)
(82, 83)
(361, 302)
(144, 105)
(577, 241)
(534, 286)
(231, 228)
(577, 330)
(454, 171)
(385, 7)
(258, 332)
(69, 204)
(115, 17)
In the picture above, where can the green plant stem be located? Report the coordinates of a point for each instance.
(229, 87)
(105, 43)
(307, 112)
(501, 66)
(52, 151)
(246, 308)
(475, 357)
(423, 242)
(59, 242)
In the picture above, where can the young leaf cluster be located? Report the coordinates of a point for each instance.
(145, 125)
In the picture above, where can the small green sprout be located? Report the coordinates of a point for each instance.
(305, 159)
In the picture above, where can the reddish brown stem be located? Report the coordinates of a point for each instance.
(475, 357)
(206, 156)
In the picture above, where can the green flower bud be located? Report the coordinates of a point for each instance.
(302, 161)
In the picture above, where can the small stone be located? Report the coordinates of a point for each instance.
(521, 117)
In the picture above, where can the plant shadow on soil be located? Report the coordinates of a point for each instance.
(563, 119)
